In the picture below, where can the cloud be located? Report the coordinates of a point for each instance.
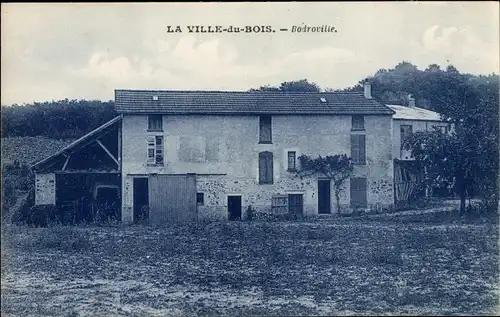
(163, 46)
(214, 64)
(56, 50)
(435, 42)
(326, 54)
(461, 47)
(101, 65)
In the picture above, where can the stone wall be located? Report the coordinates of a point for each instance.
(223, 151)
(217, 189)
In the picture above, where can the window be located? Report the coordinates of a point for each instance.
(265, 168)
(200, 199)
(358, 123)
(358, 192)
(358, 149)
(406, 131)
(291, 160)
(155, 122)
(265, 131)
(155, 150)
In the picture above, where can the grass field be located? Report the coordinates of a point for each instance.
(283, 268)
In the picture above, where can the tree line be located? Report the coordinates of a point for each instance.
(432, 88)
(62, 119)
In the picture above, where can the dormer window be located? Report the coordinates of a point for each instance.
(155, 98)
(322, 99)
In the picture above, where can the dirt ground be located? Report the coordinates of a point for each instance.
(282, 268)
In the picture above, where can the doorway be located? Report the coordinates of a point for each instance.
(141, 199)
(295, 205)
(324, 195)
(234, 207)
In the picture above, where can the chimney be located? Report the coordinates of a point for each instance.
(411, 101)
(368, 90)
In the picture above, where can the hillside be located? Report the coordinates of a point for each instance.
(29, 150)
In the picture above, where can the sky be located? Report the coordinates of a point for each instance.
(86, 51)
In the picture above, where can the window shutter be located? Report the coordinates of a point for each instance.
(159, 150)
(358, 148)
(291, 160)
(354, 149)
(150, 150)
(269, 169)
(362, 149)
(358, 192)
(262, 168)
(265, 129)
(265, 167)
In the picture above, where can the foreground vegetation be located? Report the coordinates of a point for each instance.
(283, 268)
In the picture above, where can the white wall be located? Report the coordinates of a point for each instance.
(417, 126)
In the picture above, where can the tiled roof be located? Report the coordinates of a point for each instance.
(240, 102)
(414, 113)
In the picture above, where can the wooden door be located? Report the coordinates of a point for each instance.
(234, 207)
(295, 204)
(324, 196)
(172, 198)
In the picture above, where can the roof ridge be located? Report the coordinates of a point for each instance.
(237, 91)
(212, 101)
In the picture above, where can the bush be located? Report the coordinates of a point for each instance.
(22, 215)
(9, 197)
(250, 213)
(481, 208)
(42, 215)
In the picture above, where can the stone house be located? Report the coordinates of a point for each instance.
(186, 155)
(407, 120)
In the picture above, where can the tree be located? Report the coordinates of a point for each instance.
(468, 157)
(443, 160)
(338, 168)
(469, 102)
(266, 88)
(301, 85)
